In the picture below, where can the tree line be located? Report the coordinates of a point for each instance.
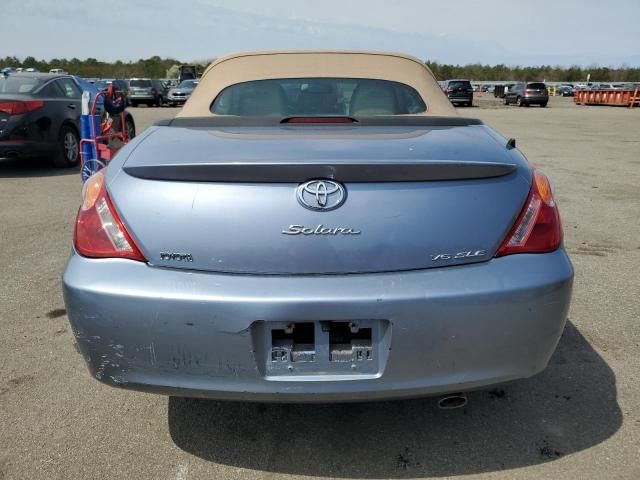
(548, 73)
(156, 67)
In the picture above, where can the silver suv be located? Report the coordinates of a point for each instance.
(146, 90)
(525, 94)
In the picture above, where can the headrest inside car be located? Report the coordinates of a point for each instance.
(373, 98)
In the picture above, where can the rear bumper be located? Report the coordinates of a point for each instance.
(180, 100)
(25, 149)
(190, 333)
(460, 98)
(141, 98)
(535, 99)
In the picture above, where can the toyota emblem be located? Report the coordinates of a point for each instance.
(321, 194)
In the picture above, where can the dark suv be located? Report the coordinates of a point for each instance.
(146, 90)
(459, 92)
(525, 94)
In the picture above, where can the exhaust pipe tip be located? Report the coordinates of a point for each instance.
(10, 154)
(452, 401)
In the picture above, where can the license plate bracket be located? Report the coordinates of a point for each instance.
(317, 350)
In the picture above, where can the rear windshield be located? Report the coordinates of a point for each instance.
(318, 97)
(460, 83)
(536, 86)
(140, 83)
(13, 84)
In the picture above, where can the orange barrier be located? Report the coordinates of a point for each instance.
(625, 98)
(635, 99)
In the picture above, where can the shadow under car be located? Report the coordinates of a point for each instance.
(569, 407)
(33, 168)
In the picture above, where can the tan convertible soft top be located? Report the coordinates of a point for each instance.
(245, 67)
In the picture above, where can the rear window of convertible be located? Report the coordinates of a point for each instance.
(318, 97)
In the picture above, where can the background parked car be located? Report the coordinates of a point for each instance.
(459, 92)
(565, 90)
(146, 90)
(40, 117)
(102, 85)
(525, 94)
(180, 94)
(604, 86)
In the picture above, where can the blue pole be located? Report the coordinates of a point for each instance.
(89, 130)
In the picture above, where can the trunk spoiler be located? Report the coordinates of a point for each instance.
(217, 121)
(270, 172)
(343, 170)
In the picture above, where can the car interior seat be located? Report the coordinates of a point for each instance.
(318, 98)
(372, 97)
(262, 98)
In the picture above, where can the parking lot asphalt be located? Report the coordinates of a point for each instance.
(579, 419)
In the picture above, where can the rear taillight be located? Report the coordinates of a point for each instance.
(538, 228)
(19, 107)
(99, 233)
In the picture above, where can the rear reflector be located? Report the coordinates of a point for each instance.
(99, 233)
(538, 228)
(19, 107)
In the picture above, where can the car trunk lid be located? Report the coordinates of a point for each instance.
(227, 199)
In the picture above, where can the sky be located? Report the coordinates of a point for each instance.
(516, 32)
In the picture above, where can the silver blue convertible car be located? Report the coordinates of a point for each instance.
(317, 226)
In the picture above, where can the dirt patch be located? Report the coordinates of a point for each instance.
(57, 312)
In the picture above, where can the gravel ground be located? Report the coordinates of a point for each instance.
(578, 419)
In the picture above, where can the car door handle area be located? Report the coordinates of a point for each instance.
(71, 106)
